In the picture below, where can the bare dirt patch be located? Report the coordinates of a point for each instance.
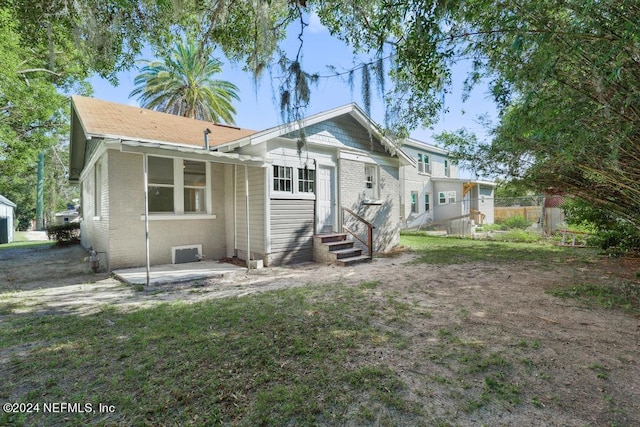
(569, 364)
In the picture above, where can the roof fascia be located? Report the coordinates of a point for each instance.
(414, 143)
(158, 148)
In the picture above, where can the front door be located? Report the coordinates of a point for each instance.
(326, 200)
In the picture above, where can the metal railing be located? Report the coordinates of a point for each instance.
(369, 243)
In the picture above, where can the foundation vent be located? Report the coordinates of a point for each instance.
(182, 254)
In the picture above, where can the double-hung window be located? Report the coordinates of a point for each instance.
(447, 168)
(414, 202)
(306, 179)
(195, 183)
(161, 184)
(427, 206)
(447, 197)
(282, 178)
(423, 163)
(97, 180)
(371, 181)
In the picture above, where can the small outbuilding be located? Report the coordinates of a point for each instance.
(7, 214)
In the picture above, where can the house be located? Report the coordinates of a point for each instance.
(66, 217)
(7, 214)
(433, 193)
(214, 191)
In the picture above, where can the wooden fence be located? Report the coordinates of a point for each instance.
(530, 213)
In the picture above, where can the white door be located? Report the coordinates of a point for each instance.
(325, 199)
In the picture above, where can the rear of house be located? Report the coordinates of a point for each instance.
(216, 191)
(433, 194)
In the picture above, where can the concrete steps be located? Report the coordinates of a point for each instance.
(336, 249)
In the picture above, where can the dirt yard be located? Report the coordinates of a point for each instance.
(582, 362)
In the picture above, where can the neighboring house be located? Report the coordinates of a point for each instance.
(7, 214)
(65, 217)
(432, 193)
(218, 191)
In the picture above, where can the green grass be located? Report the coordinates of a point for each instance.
(26, 244)
(452, 250)
(623, 295)
(278, 358)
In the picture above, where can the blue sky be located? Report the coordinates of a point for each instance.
(258, 107)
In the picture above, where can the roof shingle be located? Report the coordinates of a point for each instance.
(108, 119)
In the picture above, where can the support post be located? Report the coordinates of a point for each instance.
(40, 193)
(146, 216)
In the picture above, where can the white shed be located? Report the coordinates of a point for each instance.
(7, 213)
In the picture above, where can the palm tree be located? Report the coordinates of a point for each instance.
(183, 84)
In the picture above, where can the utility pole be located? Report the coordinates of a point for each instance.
(40, 193)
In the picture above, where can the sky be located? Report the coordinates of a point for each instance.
(258, 108)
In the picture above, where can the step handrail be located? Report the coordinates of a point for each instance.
(370, 227)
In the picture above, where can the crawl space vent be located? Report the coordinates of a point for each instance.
(182, 254)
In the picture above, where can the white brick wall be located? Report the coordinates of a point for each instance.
(94, 225)
(384, 217)
(120, 230)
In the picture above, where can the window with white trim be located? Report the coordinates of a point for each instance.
(161, 184)
(371, 182)
(447, 197)
(306, 180)
(414, 202)
(424, 165)
(427, 206)
(195, 184)
(447, 168)
(177, 186)
(282, 178)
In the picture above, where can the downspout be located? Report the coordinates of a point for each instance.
(146, 214)
(246, 207)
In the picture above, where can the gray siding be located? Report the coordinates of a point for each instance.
(291, 231)
(442, 212)
(342, 131)
(256, 212)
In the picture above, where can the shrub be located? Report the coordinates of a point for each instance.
(615, 235)
(517, 221)
(64, 233)
(522, 236)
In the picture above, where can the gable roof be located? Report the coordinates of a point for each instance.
(350, 109)
(110, 120)
(6, 201)
(421, 145)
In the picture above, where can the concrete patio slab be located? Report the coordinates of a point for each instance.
(174, 273)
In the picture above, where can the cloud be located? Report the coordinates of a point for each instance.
(315, 26)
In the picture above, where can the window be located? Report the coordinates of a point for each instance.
(447, 197)
(97, 181)
(447, 169)
(306, 179)
(423, 163)
(161, 184)
(195, 183)
(371, 181)
(414, 202)
(426, 203)
(282, 179)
